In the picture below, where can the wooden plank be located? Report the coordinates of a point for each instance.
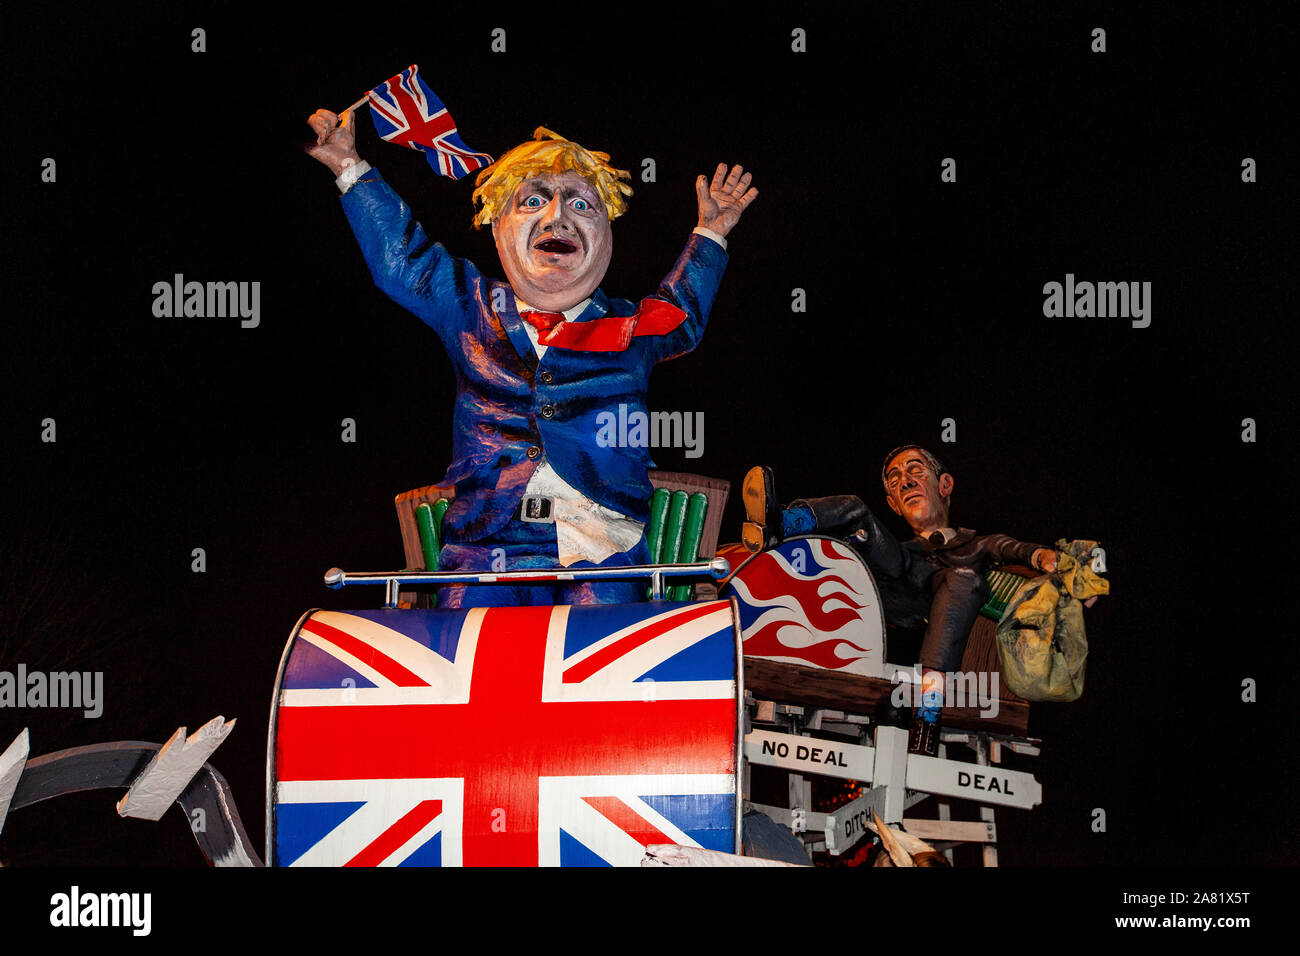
(945, 808)
(811, 820)
(986, 813)
(951, 831)
(861, 695)
(990, 849)
(891, 780)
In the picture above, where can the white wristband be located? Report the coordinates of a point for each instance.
(348, 178)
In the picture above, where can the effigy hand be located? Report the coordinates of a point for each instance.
(1045, 559)
(723, 200)
(336, 143)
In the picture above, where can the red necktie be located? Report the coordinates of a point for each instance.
(542, 321)
(609, 334)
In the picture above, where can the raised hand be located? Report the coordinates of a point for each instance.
(336, 144)
(723, 200)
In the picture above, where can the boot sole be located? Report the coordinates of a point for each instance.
(755, 493)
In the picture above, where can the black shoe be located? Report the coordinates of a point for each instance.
(763, 527)
(924, 736)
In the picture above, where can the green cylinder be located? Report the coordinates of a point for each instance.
(675, 527)
(654, 535)
(439, 509)
(690, 550)
(430, 542)
(670, 533)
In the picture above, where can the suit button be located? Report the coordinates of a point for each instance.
(546, 378)
(534, 452)
(548, 411)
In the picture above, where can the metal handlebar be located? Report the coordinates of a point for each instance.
(718, 568)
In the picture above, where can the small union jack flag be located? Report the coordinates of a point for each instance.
(407, 112)
(506, 736)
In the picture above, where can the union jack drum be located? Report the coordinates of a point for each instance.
(513, 736)
(810, 601)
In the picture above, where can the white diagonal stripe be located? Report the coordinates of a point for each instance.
(584, 653)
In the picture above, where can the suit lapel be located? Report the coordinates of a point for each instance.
(514, 326)
(964, 536)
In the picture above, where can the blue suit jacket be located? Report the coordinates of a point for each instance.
(506, 401)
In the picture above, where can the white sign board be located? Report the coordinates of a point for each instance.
(847, 825)
(994, 786)
(808, 755)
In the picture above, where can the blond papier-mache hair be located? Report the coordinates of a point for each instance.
(548, 152)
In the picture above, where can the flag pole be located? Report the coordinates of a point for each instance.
(355, 105)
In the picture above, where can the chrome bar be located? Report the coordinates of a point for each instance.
(718, 568)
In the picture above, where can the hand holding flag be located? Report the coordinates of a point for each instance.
(335, 142)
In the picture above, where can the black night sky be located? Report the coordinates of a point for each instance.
(924, 302)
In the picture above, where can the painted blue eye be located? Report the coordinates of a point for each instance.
(533, 201)
(580, 204)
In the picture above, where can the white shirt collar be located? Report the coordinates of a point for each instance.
(569, 314)
(948, 534)
(534, 335)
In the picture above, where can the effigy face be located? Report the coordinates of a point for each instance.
(554, 240)
(915, 491)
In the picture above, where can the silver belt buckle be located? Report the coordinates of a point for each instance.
(537, 509)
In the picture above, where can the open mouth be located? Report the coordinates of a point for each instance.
(556, 246)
